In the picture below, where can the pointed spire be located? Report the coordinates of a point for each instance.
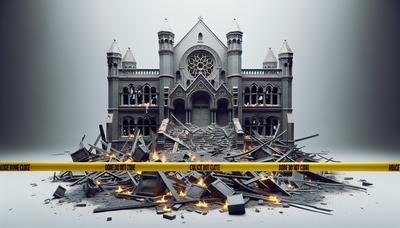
(235, 26)
(114, 47)
(165, 27)
(128, 57)
(285, 48)
(270, 57)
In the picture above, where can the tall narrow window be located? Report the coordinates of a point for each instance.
(139, 94)
(178, 76)
(260, 96)
(166, 96)
(146, 127)
(253, 95)
(132, 95)
(153, 125)
(235, 95)
(254, 125)
(222, 77)
(272, 125)
(125, 96)
(128, 127)
(140, 125)
(247, 125)
(146, 94)
(268, 92)
(153, 96)
(275, 96)
(260, 126)
(247, 96)
(200, 37)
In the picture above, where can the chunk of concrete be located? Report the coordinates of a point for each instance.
(221, 190)
(60, 192)
(236, 204)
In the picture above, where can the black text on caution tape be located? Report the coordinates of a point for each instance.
(15, 167)
(119, 167)
(289, 167)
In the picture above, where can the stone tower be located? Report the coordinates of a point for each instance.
(166, 77)
(234, 65)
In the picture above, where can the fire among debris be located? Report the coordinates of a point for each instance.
(230, 192)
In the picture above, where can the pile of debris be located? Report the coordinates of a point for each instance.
(229, 192)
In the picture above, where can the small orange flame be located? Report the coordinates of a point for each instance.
(154, 156)
(273, 199)
(168, 194)
(162, 200)
(182, 194)
(166, 209)
(201, 183)
(163, 158)
(202, 204)
(290, 186)
(98, 182)
(119, 189)
(225, 207)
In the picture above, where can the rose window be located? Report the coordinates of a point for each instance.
(200, 63)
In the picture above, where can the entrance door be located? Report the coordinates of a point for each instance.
(222, 112)
(201, 109)
(179, 110)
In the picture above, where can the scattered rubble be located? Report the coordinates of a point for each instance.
(200, 192)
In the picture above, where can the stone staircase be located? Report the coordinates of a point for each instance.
(209, 139)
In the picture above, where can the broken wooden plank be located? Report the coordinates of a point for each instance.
(307, 137)
(169, 186)
(256, 148)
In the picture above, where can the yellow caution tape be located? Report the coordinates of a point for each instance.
(200, 166)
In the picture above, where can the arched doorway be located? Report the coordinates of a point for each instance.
(201, 109)
(179, 110)
(222, 112)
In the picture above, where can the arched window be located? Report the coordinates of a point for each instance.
(261, 126)
(260, 95)
(178, 76)
(140, 125)
(272, 125)
(125, 96)
(268, 92)
(132, 95)
(153, 125)
(128, 127)
(254, 125)
(146, 127)
(222, 77)
(153, 96)
(275, 96)
(146, 94)
(247, 125)
(139, 95)
(246, 95)
(253, 96)
(200, 37)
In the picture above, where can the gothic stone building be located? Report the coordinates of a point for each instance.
(200, 81)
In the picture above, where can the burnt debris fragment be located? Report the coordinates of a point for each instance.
(200, 192)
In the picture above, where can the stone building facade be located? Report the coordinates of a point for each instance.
(200, 81)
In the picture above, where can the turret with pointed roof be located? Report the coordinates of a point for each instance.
(129, 60)
(166, 27)
(285, 48)
(113, 59)
(235, 26)
(114, 47)
(286, 59)
(270, 60)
